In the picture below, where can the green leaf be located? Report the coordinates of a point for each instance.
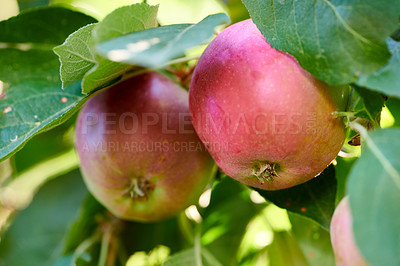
(188, 257)
(314, 199)
(226, 218)
(103, 74)
(372, 104)
(394, 107)
(85, 225)
(237, 10)
(314, 240)
(260, 233)
(50, 144)
(183, 258)
(32, 100)
(333, 40)
(52, 25)
(122, 21)
(29, 4)
(153, 48)
(81, 242)
(386, 79)
(144, 236)
(374, 190)
(342, 169)
(32, 107)
(76, 56)
(35, 237)
(126, 20)
(284, 250)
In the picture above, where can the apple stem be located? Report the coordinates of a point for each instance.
(347, 116)
(105, 245)
(344, 114)
(86, 244)
(136, 72)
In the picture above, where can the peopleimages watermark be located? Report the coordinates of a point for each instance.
(156, 146)
(181, 123)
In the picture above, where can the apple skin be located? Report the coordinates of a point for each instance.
(342, 238)
(266, 122)
(149, 182)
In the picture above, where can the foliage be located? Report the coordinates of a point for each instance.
(54, 55)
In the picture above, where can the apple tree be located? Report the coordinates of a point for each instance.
(186, 132)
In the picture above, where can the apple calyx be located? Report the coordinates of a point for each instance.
(140, 189)
(265, 171)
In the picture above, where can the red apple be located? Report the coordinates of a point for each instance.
(266, 122)
(140, 156)
(344, 246)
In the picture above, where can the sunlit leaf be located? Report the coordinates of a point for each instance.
(76, 55)
(314, 199)
(314, 240)
(121, 21)
(153, 48)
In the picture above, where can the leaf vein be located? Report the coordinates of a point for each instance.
(295, 24)
(387, 165)
(347, 26)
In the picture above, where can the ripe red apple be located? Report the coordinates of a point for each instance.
(344, 246)
(266, 122)
(140, 156)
